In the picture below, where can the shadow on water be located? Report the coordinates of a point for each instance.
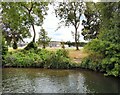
(23, 80)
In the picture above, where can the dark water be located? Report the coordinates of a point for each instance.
(22, 80)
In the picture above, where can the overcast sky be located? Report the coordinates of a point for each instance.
(51, 24)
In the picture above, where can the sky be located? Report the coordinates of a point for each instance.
(51, 24)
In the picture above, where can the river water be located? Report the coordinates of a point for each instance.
(35, 80)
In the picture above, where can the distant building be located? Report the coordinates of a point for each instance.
(22, 44)
(55, 44)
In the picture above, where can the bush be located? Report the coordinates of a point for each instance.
(3, 50)
(31, 45)
(4, 47)
(19, 59)
(58, 61)
(38, 58)
(103, 56)
(62, 52)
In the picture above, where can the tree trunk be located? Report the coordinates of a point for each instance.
(34, 33)
(76, 40)
(43, 46)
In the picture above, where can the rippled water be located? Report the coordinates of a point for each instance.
(22, 80)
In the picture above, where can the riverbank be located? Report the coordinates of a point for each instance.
(50, 58)
(75, 56)
(41, 58)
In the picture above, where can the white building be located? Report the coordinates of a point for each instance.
(55, 44)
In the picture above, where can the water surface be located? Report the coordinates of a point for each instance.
(35, 80)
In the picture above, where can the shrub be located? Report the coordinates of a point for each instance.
(38, 58)
(31, 45)
(103, 56)
(20, 59)
(62, 52)
(56, 60)
(4, 47)
(3, 50)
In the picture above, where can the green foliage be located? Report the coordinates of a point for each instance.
(62, 52)
(4, 47)
(92, 22)
(23, 59)
(104, 52)
(110, 26)
(58, 61)
(43, 38)
(31, 45)
(69, 12)
(38, 58)
(103, 56)
(13, 27)
(18, 17)
(99, 21)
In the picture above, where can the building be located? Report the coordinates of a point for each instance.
(22, 44)
(55, 44)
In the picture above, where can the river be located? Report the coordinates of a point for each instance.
(36, 80)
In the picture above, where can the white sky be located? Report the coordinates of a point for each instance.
(51, 24)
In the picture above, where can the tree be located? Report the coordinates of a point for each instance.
(104, 51)
(43, 38)
(12, 23)
(102, 20)
(35, 12)
(98, 19)
(18, 17)
(68, 43)
(110, 25)
(70, 13)
(92, 24)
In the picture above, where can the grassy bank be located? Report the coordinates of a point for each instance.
(41, 58)
(75, 56)
(56, 59)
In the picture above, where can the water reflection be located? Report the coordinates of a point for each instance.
(31, 80)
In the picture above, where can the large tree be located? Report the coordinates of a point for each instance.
(35, 12)
(69, 13)
(18, 17)
(13, 27)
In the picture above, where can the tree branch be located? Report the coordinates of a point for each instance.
(29, 10)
